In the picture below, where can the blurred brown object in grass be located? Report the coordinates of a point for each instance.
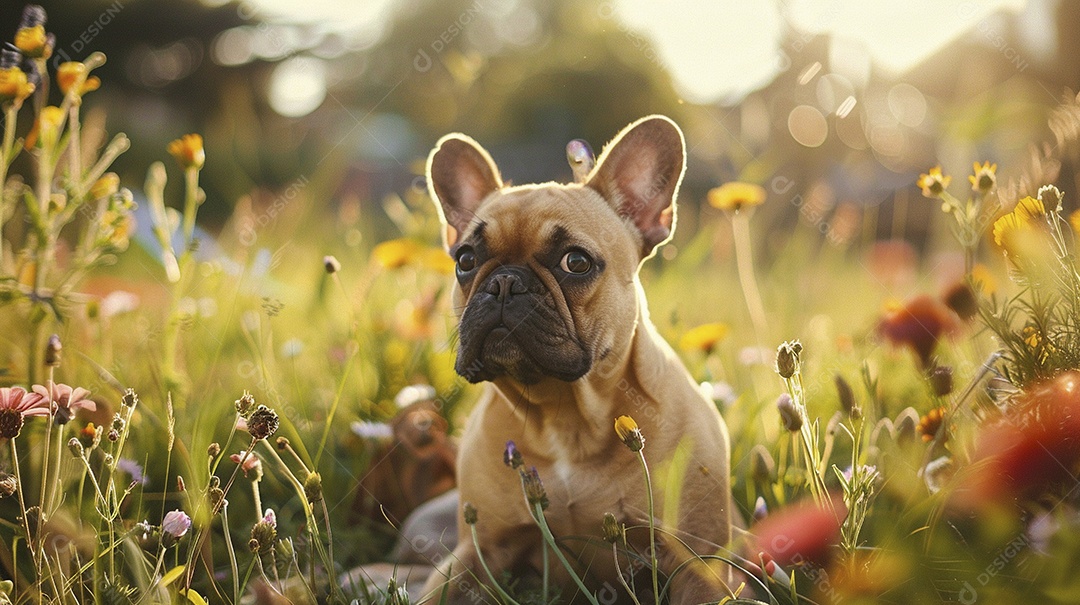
(415, 465)
(918, 324)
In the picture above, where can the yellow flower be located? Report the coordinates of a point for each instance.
(934, 183)
(437, 260)
(33, 42)
(985, 177)
(1030, 208)
(629, 433)
(188, 151)
(736, 195)
(72, 72)
(983, 279)
(1006, 227)
(46, 127)
(395, 253)
(14, 86)
(704, 337)
(108, 184)
(1074, 220)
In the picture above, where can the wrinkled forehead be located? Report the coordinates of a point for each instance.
(524, 220)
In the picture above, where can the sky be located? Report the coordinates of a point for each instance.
(721, 50)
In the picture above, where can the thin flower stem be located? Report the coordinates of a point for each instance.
(494, 582)
(7, 154)
(232, 553)
(189, 571)
(22, 506)
(652, 527)
(740, 225)
(191, 203)
(538, 514)
(619, 573)
(547, 572)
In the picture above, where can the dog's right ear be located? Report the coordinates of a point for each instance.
(460, 176)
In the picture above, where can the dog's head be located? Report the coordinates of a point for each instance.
(546, 274)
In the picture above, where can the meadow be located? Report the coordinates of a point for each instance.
(188, 420)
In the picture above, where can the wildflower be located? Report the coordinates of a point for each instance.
(33, 42)
(984, 178)
(437, 259)
(14, 85)
(188, 151)
(941, 380)
(108, 184)
(8, 485)
(534, 488)
(613, 530)
(133, 468)
(248, 462)
(736, 195)
(931, 423)
(264, 533)
(331, 264)
(790, 416)
(174, 525)
(469, 513)
(983, 280)
(395, 253)
(75, 447)
(761, 509)
(1050, 197)
(75, 73)
(801, 532)
(787, 358)
(245, 405)
(1030, 208)
(933, 184)
(512, 457)
(263, 423)
(762, 465)
(15, 405)
(46, 129)
(67, 400)
(90, 435)
(414, 393)
(704, 338)
(1074, 221)
(847, 398)
(629, 433)
(919, 324)
(313, 487)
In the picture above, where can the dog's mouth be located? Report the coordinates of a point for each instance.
(518, 332)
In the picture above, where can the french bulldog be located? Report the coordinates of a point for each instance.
(552, 316)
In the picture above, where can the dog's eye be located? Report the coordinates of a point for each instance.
(576, 261)
(466, 261)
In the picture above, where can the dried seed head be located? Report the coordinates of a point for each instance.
(8, 485)
(217, 498)
(11, 423)
(52, 351)
(114, 435)
(118, 423)
(1051, 196)
(263, 423)
(787, 358)
(213, 450)
(534, 488)
(613, 530)
(469, 512)
(76, 447)
(263, 537)
(245, 405)
(130, 399)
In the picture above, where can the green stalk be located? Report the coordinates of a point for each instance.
(538, 514)
(232, 553)
(744, 258)
(652, 527)
(618, 572)
(22, 509)
(6, 156)
(480, 555)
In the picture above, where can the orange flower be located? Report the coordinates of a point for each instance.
(930, 423)
(188, 151)
(704, 338)
(71, 73)
(933, 183)
(735, 196)
(919, 325)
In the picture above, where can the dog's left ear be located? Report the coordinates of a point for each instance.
(639, 173)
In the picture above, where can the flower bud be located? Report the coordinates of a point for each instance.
(282, 443)
(180, 487)
(790, 416)
(629, 433)
(787, 358)
(469, 512)
(188, 151)
(245, 405)
(613, 530)
(331, 264)
(213, 450)
(313, 487)
(75, 447)
(512, 457)
(847, 398)
(534, 488)
(52, 351)
(761, 510)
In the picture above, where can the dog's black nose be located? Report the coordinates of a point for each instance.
(504, 284)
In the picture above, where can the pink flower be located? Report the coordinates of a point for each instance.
(251, 463)
(176, 523)
(15, 405)
(68, 400)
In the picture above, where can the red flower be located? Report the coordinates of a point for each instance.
(919, 325)
(1034, 451)
(801, 533)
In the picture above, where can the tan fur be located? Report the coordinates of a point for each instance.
(566, 429)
